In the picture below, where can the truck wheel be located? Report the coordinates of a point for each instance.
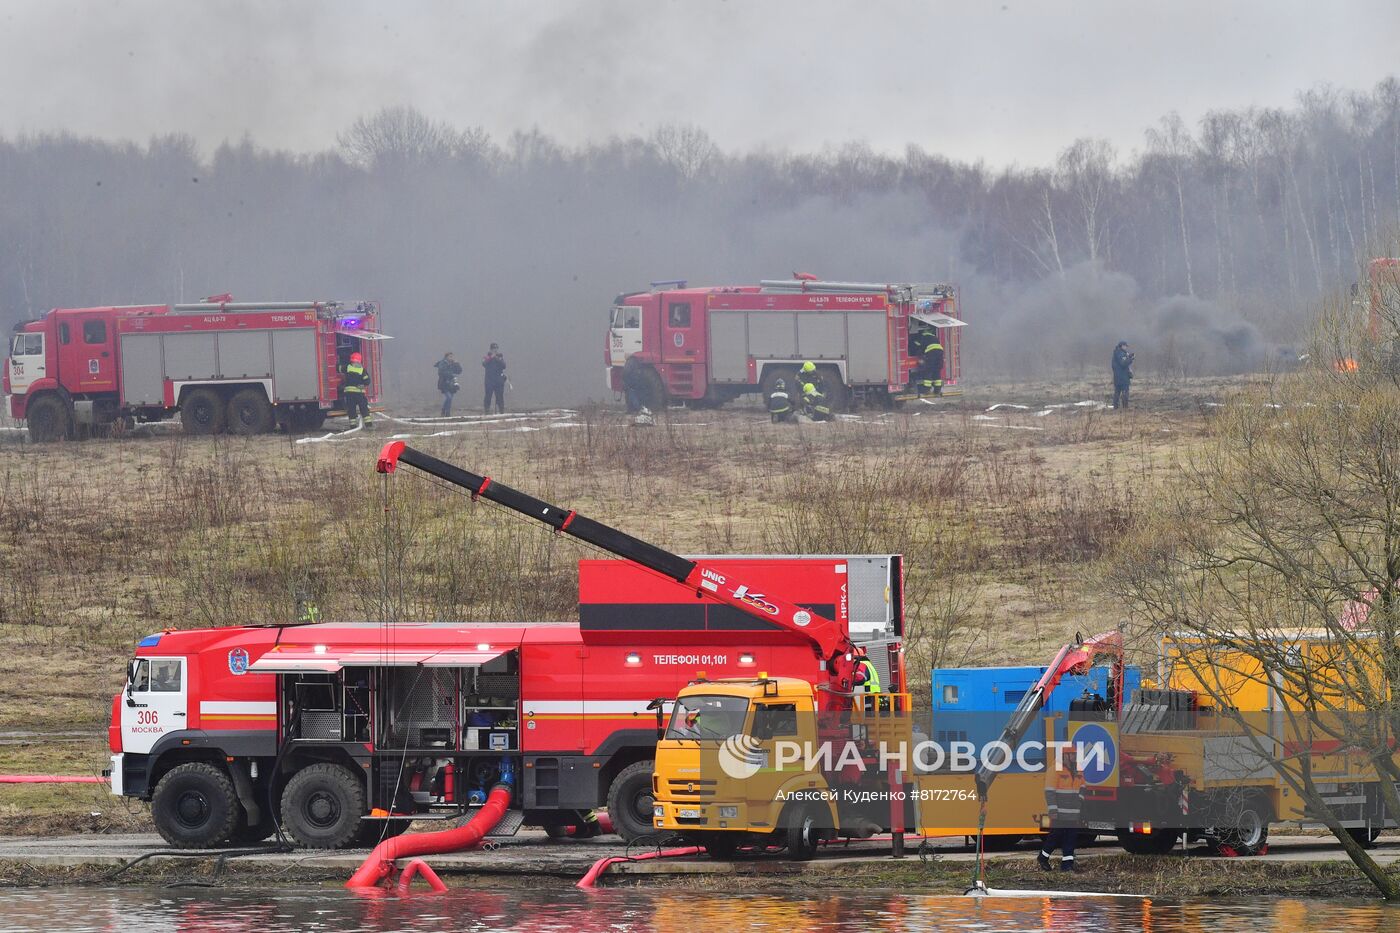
(630, 801)
(1366, 838)
(249, 412)
(803, 827)
(202, 412)
(652, 391)
(195, 807)
(1250, 834)
(838, 394)
(1157, 842)
(322, 806)
(49, 420)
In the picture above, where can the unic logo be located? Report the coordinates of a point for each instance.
(741, 756)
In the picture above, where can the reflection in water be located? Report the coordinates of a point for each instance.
(242, 910)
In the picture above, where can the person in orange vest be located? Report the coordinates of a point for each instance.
(1062, 805)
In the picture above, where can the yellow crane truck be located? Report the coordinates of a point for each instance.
(757, 763)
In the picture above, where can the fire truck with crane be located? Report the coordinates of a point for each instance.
(224, 366)
(350, 731)
(705, 346)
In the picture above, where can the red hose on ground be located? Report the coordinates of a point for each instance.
(588, 881)
(51, 779)
(380, 863)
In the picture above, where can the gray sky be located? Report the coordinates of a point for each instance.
(1010, 82)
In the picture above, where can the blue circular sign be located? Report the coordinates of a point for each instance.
(1096, 753)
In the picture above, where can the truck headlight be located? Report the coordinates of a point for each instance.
(729, 813)
(658, 810)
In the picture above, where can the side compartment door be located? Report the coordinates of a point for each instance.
(87, 360)
(682, 329)
(155, 702)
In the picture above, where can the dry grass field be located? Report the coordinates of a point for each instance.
(1004, 517)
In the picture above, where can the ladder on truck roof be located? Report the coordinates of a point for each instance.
(905, 291)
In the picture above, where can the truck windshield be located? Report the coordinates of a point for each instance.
(626, 317)
(707, 716)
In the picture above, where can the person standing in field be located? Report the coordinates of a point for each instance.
(353, 383)
(448, 370)
(495, 365)
(1122, 373)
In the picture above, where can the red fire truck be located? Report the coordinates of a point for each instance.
(240, 367)
(707, 346)
(348, 732)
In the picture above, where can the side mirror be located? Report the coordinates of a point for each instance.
(658, 706)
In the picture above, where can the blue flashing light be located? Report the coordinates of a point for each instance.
(150, 641)
(350, 323)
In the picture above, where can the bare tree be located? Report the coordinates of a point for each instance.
(1173, 145)
(688, 149)
(400, 136)
(1280, 556)
(1085, 172)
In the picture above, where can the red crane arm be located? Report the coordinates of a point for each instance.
(828, 641)
(1075, 658)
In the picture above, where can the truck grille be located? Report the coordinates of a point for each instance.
(691, 790)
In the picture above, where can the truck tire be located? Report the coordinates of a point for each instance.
(195, 807)
(1250, 834)
(49, 420)
(1157, 842)
(202, 412)
(838, 394)
(1365, 837)
(249, 412)
(322, 806)
(802, 825)
(652, 392)
(630, 801)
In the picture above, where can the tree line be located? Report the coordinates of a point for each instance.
(1209, 244)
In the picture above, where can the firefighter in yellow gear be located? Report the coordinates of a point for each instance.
(353, 383)
(867, 674)
(928, 375)
(814, 401)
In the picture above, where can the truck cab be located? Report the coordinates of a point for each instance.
(753, 763)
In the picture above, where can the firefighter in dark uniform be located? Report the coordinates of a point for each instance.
(353, 383)
(927, 348)
(814, 401)
(779, 402)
